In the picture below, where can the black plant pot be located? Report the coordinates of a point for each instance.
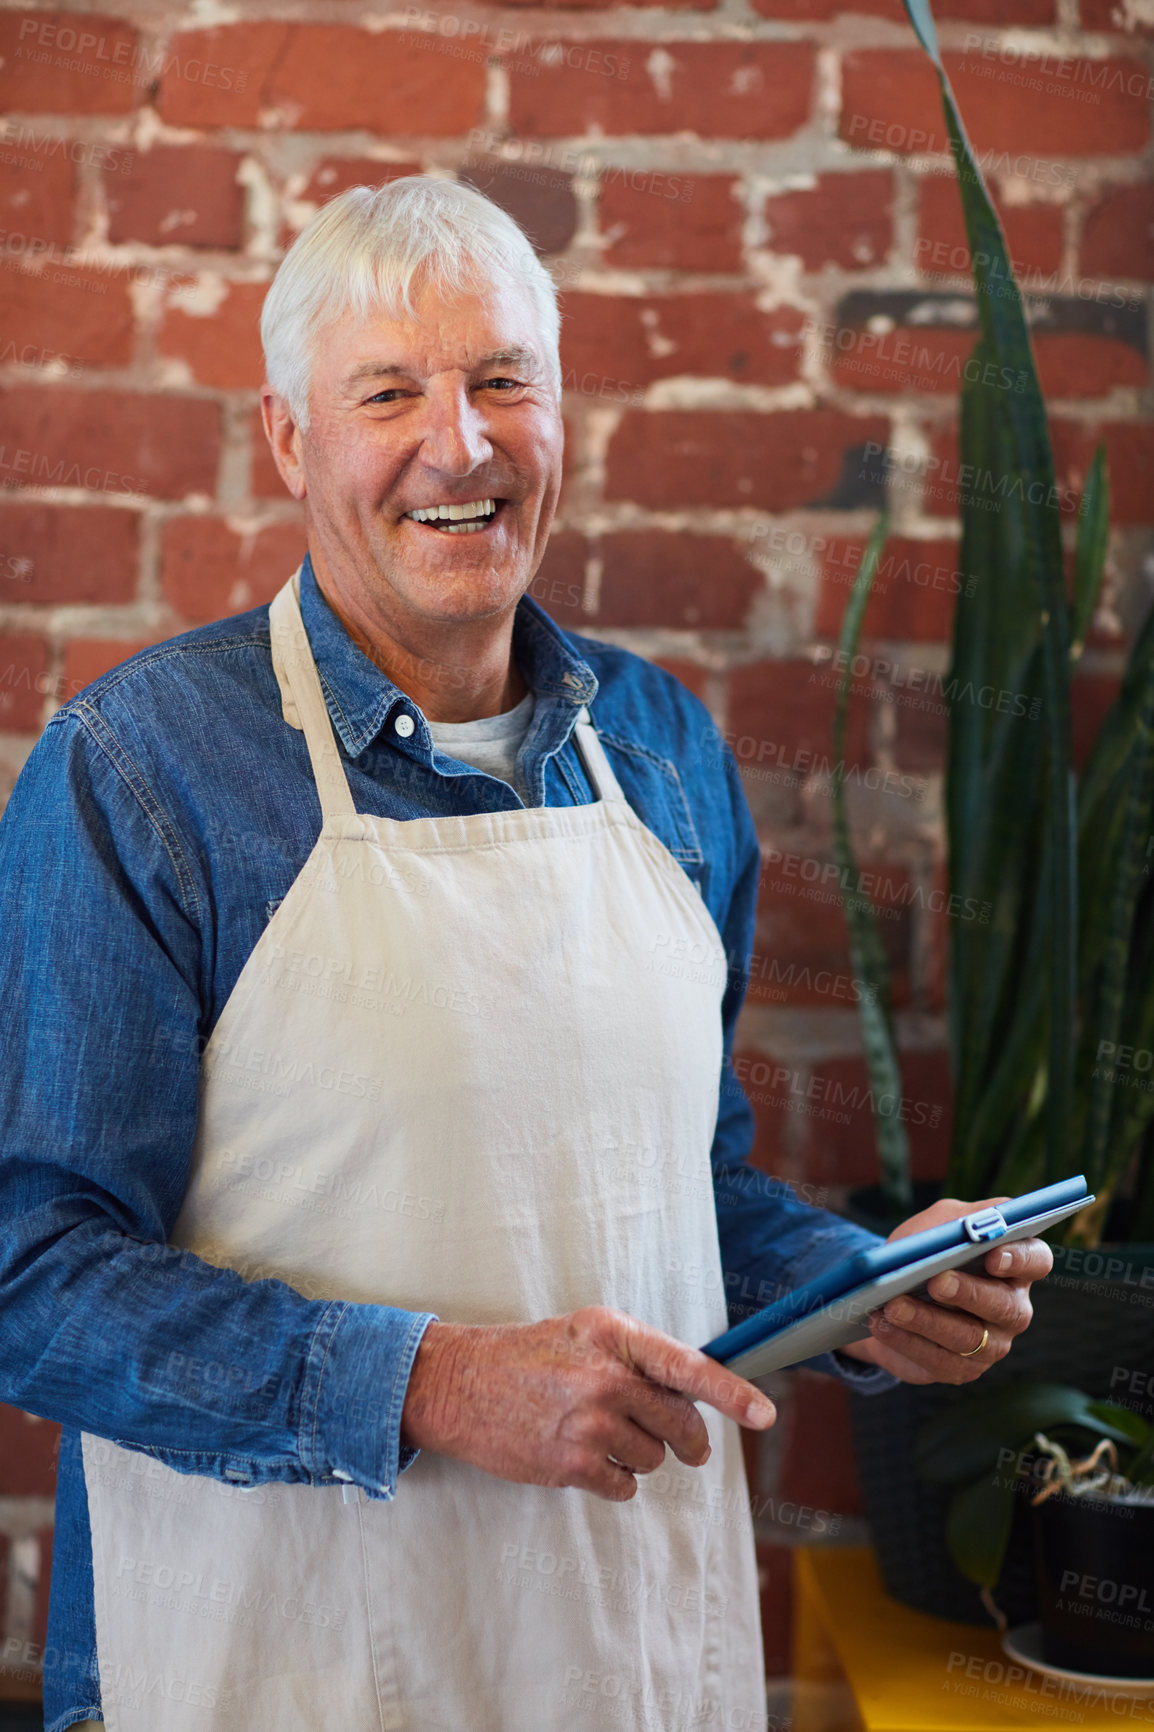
(1095, 1574)
(1093, 1328)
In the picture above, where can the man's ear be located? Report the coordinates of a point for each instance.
(284, 439)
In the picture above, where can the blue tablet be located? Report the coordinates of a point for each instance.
(831, 1310)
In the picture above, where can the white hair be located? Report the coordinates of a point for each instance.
(366, 250)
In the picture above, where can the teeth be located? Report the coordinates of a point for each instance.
(453, 513)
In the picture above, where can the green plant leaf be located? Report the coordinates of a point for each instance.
(1090, 549)
(965, 1438)
(1029, 479)
(978, 1527)
(865, 941)
(1111, 1413)
(1104, 1018)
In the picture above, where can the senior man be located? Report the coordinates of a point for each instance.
(371, 1171)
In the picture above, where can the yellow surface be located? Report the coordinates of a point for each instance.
(864, 1663)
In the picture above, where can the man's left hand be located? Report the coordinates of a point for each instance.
(920, 1342)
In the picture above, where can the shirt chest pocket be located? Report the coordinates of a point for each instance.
(654, 789)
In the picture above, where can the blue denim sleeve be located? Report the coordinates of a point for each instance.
(771, 1241)
(103, 1324)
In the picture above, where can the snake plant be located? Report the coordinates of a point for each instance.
(1046, 999)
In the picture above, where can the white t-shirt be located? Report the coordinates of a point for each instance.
(491, 743)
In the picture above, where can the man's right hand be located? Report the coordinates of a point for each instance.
(551, 1403)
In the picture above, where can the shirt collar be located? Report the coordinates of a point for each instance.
(360, 698)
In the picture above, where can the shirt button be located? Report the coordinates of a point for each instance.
(405, 725)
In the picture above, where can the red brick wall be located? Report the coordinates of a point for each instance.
(754, 224)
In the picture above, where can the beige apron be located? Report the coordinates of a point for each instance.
(471, 1067)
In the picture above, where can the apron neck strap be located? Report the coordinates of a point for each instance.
(303, 705)
(605, 783)
(302, 700)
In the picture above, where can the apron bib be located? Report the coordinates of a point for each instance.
(470, 1067)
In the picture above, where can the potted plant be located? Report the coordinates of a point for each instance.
(1086, 1471)
(1049, 997)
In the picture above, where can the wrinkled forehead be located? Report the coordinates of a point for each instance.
(491, 319)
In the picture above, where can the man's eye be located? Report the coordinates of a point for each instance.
(513, 384)
(392, 391)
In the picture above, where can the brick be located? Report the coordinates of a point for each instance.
(1129, 456)
(74, 318)
(841, 1153)
(323, 78)
(777, 461)
(186, 195)
(23, 674)
(780, 719)
(920, 727)
(599, 5)
(775, 1574)
(68, 63)
(43, 1587)
(559, 582)
(614, 345)
(1078, 364)
(689, 673)
(332, 176)
(818, 1470)
(1114, 15)
(221, 348)
(60, 554)
(810, 11)
(656, 577)
(1118, 235)
(715, 89)
(86, 659)
(919, 358)
(801, 925)
(540, 200)
(671, 222)
(845, 220)
(336, 174)
(112, 441)
(1091, 697)
(999, 112)
(998, 11)
(980, 11)
(28, 1449)
(1033, 232)
(211, 571)
(36, 191)
(913, 594)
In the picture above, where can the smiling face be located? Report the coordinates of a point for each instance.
(451, 409)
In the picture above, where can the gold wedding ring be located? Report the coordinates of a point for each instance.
(978, 1348)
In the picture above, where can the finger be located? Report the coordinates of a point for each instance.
(639, 1450)
(607, 1479)
(898, 1364)
(669, 1418)
(1025, 1260)
(944, 1365)
(956, 1331)
(1004, 1303)
(669, 1362)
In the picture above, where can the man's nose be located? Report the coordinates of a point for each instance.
(454, 439)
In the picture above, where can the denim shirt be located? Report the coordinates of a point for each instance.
(157, 824)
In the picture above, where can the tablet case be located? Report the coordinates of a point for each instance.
(831, 1310)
